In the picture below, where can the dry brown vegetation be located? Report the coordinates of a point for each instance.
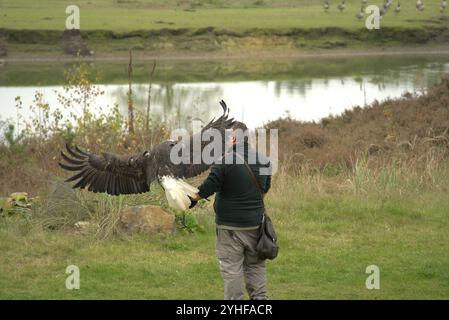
(405, 128)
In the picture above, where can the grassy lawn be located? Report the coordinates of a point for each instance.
(328, 235)
(231, 15)
(181, 28)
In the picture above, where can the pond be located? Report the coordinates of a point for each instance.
(256, 91)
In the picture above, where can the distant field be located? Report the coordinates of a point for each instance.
(123, 15)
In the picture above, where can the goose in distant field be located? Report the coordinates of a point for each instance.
(342, 6)
(387, 4)
(326, 6)
(443, 6)
(115, 175)
(420, 5)
(364, 4)
(398, 8)
(361, 14)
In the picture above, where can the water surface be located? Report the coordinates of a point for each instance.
(256, 91)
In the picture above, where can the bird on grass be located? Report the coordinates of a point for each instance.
(398, 8)
(342, 6)
(443, 6)
(361, 14)
(326, 6)
(385, 7)
(363, 5)
(420, 5)
(387, 4)
(132, 174)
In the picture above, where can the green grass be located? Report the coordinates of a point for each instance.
(179, 28)
(234, 15)
(328, 232)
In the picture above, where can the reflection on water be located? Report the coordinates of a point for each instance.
(319, 93)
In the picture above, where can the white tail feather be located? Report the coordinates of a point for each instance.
(177, 192)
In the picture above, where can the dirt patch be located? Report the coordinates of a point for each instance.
(74, 44)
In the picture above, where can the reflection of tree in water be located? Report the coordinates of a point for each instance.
(174, 104)
(292, 87)
(419, 76)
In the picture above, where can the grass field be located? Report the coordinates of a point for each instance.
(204, 28)
(230, 15)
(329, 231)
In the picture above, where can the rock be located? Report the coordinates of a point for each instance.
(147, 219)
(82, 226)
(74, 44)
(17, 202)
(19, 196)
(8, 203)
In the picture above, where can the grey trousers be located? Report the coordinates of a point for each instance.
(238, 259)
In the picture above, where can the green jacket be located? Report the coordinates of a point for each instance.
(237, 201)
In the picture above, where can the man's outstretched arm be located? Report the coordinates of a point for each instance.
(212, 184)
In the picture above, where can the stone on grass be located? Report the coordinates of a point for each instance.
(82, 226)
(147, 219)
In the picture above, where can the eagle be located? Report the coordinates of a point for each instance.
(133, 174)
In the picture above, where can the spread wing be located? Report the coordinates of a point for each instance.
(191, 168)
(107, 172)
(116, 175)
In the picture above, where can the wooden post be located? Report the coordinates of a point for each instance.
(147, 119)
(130, 98)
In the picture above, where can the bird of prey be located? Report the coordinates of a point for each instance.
(116, 175)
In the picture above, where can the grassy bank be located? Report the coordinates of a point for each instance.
(184, 28)
(121, 16)
(329, 231)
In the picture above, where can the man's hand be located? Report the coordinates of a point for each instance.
(194, 200)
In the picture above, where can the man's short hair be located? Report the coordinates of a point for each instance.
(239, 125)
(243, 128)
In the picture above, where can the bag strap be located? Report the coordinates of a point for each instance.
(253, 176)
